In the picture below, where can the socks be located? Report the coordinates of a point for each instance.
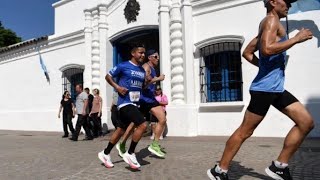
(219, 170)
(132, 147)
(280, 164)
(108, 149)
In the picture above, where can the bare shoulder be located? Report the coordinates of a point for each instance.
(270, 22)
(146, 67)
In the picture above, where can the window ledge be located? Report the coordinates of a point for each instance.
(236, 106)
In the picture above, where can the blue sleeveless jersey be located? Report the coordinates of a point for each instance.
(132, 77)
(270, 77)
(148, 95)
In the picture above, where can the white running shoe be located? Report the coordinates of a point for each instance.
(131, 160)
(105, 159)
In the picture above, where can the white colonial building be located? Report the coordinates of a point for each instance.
(200, 44)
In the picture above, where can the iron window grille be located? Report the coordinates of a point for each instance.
(221, 72)
(70, 78)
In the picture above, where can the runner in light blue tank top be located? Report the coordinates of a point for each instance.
(270, 77)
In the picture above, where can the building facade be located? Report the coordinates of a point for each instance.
(200, 44)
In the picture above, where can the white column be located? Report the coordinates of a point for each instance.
(95, 59)
(188, 66)
(164, 36)
(103, 35)
(88, 48)
(182, 112)
(177, 71)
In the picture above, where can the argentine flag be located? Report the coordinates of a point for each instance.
(43, 66)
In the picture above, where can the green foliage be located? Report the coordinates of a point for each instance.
(8, 37)
(131, 11)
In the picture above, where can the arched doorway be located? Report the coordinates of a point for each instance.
(121, 46)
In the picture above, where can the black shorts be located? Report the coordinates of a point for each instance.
(261, 101)
(146, 107)
(128, 114)
(154, 118)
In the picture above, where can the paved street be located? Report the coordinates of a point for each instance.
(45, 155)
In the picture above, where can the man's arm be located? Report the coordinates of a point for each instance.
(149, 79)
(249, 51)
(156, 79)
(85, 104)
(269, 43)
(118, 88)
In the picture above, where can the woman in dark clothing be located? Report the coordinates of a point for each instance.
(68, 113)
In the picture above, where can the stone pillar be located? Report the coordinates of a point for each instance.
(188, 49)
(95, 54)
(177, 71)
(182, 112)
(103, 38)
(164, 36)
(88, 40)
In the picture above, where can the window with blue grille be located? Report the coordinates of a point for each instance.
(70, 78)
(220, 72)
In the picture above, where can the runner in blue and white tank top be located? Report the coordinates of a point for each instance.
(131, 77)
(148, 102)
(148, 93)
(268, 89)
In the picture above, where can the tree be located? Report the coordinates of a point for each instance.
(8, 37)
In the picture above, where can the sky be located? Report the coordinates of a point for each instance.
(28, 18)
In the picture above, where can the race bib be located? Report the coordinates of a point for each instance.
(134, 96)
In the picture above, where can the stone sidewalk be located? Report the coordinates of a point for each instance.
(45, 155)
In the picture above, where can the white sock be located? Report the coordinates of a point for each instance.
(220, 170)
(279, 164)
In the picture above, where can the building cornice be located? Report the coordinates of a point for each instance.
(219, 39)
(69, 66)
(131, 30)
(206, 6)
(60, 3)
(52, 43)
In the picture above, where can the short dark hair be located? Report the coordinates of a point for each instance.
(135, 46)
(150, 52)
(86, 89)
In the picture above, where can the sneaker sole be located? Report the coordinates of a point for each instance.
(100, 156)
(130, 164)
(210, 175)
(272, 174)
(155, 152)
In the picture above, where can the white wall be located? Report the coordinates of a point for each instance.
(301, 73)
(69, 16)
(29, 101)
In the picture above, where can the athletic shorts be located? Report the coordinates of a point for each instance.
(128, 114)
(146, 107)
(261, 101)
(154, 119)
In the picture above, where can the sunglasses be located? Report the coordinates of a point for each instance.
(155, 56)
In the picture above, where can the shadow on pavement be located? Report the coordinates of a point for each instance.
(237, 171)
